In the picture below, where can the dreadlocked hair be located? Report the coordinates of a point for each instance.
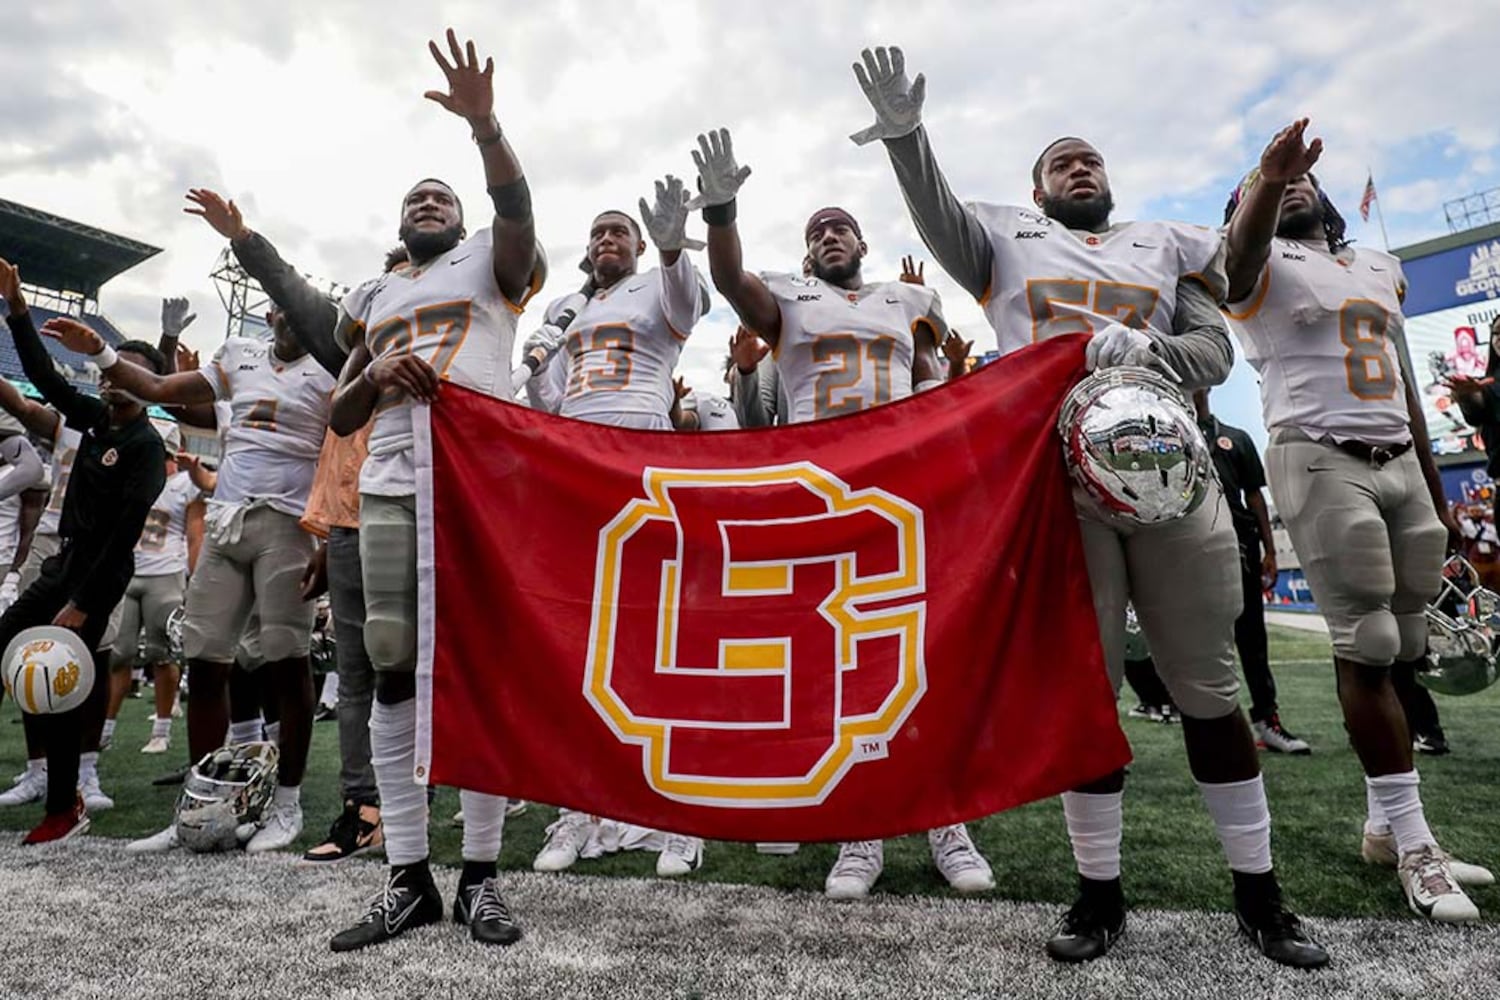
(1334, 226)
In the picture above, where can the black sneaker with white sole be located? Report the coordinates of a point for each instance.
(483, 909)
(1092, 924)
(1270, 926)
(409, 899)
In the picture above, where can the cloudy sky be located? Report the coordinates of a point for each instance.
(311, 116)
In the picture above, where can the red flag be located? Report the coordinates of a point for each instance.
(841, 630)
(1368, 199)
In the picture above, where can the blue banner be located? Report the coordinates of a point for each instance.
(1452, 278)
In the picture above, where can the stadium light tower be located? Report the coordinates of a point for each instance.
(1473, 210)
(245, 302)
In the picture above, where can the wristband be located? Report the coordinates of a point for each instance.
(719, 215)
(512, 201)
(105, 358)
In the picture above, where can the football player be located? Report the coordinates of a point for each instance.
(619, 350)
(1352, 475)
(450, 316)
(842, 345)
(1147, 294)
(119, 470)
(256, 553)
(165, 555)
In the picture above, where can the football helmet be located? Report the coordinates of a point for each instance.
(48, 669)
(174, 633)
(1135, 639)
(1133, 447)
(224, 795)
(323, 648)
(1462, 625)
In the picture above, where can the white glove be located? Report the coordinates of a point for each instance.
(897, 102)
(719, 176)
(666, 224)
(10, 590)
(1117, 345)
(542, 344)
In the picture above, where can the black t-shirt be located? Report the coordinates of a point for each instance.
(1240, 472)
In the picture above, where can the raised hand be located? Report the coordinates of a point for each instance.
(956, 349)
(747, 349)
(471, 90)
(913, 273)
(666, 224)
(719, 176)
(1289, 155)
(897, 101)
(223, 215)
(175, 317)
(187, 359)
(75, 336)
(10, 281)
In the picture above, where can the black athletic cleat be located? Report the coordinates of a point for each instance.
(483, 909)
(1433, 744)
(1091, 925)
(1280, 937)
(408, 900)
(172, 777)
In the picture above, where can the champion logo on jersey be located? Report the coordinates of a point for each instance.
(853, 297)
(1092, 241)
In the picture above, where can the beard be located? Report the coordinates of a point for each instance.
(1306, 223)
(1091, 214)
(837, 274)
(423, 246)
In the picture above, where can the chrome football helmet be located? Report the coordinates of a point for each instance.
(323, 648)
(1133, 446)
(224, 796)
(174, 634)
(1136, 647)
(1463, 622)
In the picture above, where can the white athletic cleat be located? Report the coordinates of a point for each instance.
(282, 826)
(1380, 849)
(1431, 889)
(29, 787)
(157, 744)
(680, 856)
(458, 819)
(959, 860)
(158, 843)
(94, 798)
(565, 838)
(1272, 735)
(854, 873)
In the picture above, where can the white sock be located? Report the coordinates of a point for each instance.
(403, 802)
(288, 795)
(1398, 797)
(1375, 823)
(88, 766)
(330, 695)
(1096, 823)
(484, 824)
(273, 733)
(161, 728)
(1242, 821)
(38, 766)
(108, 732)
(248, 731)
(138, 674)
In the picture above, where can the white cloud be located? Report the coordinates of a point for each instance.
(311, 116)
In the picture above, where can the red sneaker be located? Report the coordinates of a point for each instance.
(62, 826)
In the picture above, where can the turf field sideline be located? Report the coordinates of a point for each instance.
(1172, 860)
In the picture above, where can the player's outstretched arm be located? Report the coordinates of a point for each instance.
(950, 230)
(719, 182)
(310, 312)
(182, 389)
(471, 96)
(22, 466)
(1287, 157)
(70, 404)
(36, 418)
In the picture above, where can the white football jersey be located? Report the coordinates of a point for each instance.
(624, 344)
(715, 413)
(64, 450)
(1322, 331)
(278, 417)
(451, 312)
(1048, 280)
(841, 351)
(163, 548)
(10, 529)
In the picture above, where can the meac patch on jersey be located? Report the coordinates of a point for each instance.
(449, 312)
(163, 548)
(623, 345)
(843, 351)
(1048, 280)
(1321, 331)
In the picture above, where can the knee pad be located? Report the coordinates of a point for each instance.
(1413, 632)
(1374, 639)
(390, 643)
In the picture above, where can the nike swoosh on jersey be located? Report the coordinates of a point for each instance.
(636, 288)
(459, 260)
(892, 302)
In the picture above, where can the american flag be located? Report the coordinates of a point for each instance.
(1368, 199)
